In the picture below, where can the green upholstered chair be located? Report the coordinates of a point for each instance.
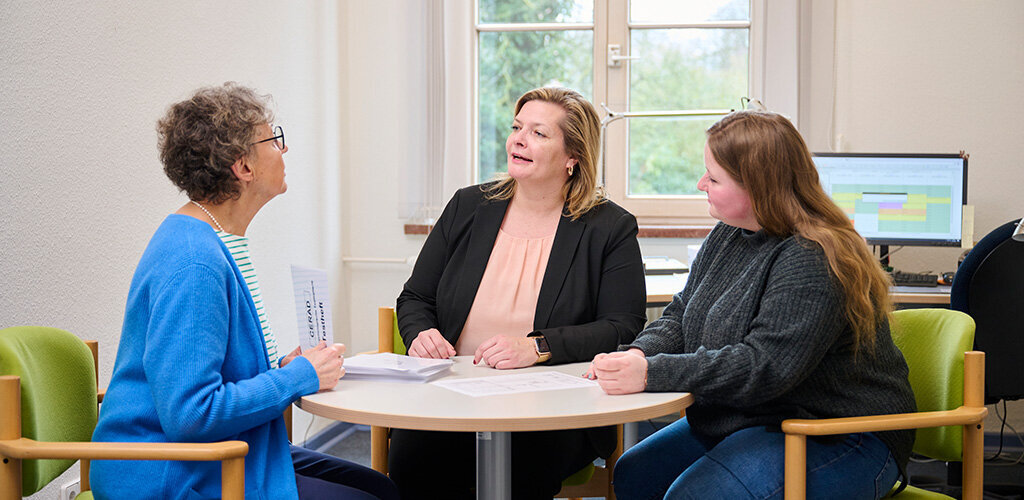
(591, 481)
(948, 381)
(48, 409)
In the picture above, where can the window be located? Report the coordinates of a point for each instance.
(690, 55)
(524, 45)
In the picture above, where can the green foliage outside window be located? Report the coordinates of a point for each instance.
(679, 69)
(536, 11)
(512, 63)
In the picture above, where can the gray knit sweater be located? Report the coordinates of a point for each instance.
(758, 336)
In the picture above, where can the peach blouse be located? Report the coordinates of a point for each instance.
(506, 300)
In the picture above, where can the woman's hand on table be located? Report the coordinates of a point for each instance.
(327, 360)
(507, 352)
(623, 372)
(431, 344)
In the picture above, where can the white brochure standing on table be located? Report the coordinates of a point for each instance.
(312, 306)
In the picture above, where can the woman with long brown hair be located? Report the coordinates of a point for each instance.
(784, 315)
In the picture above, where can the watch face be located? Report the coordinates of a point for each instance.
(542, 344)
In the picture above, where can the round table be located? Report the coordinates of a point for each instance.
(425, 406)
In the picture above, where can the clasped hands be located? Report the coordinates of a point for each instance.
(326, 360)
(498, 351)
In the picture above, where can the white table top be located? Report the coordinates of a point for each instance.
(424, 406)
(920, 294)
(661, 287)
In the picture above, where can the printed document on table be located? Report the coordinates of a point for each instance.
(516, 383)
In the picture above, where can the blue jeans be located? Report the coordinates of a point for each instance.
(677, 463)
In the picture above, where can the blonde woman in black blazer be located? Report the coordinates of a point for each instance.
(591, 297)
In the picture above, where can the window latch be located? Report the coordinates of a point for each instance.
(615, 56)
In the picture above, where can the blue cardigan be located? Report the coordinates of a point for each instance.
(192, 366)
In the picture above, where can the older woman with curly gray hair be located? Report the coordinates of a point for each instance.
(197, 360)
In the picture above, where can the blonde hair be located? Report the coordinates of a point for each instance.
(581, 132)
(766, 155)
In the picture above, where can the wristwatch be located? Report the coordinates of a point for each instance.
(541, 344)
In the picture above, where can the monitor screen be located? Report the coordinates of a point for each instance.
(898, 199)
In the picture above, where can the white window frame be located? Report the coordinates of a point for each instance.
(774, 80)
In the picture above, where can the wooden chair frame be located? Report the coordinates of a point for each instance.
(970, 415)
(599, 485)
(14, 448)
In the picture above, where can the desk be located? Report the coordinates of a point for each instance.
(661, 288)
(938, 295)
(429, 407)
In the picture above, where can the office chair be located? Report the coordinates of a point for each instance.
(948, 387)
(989, 286)
(48, 409)
(591, 481)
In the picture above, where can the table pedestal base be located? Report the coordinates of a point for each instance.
(494, 465)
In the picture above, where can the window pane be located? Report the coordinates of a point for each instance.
(512, 63)
(666, 156)
(536, 11)
(680, 69)
(688, 11)
(688, 69)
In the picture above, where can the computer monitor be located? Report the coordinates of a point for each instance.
(899, 199)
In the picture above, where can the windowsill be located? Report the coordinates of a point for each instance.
(646, 231)
(418, 228)
(673, 231)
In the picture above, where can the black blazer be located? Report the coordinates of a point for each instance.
(592, 297)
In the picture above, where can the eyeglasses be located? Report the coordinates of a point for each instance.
(278, 138)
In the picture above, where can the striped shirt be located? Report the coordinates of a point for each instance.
(239, 248)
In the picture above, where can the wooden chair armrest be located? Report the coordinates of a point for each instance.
(28, 449)
(100, 394)
(875, 423)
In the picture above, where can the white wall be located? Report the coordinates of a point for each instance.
(81, 187)
(923, 76)
(384, 134)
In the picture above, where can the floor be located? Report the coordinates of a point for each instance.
(1003, 478)
(355, 447)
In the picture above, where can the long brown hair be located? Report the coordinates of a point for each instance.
(766, 155)
(581, 132)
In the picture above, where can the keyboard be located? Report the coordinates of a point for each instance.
(914, 279)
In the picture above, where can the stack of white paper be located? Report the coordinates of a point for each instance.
(390, 366)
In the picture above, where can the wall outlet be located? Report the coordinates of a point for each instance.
(70, 490)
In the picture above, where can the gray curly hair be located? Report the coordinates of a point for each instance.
(201, 137)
